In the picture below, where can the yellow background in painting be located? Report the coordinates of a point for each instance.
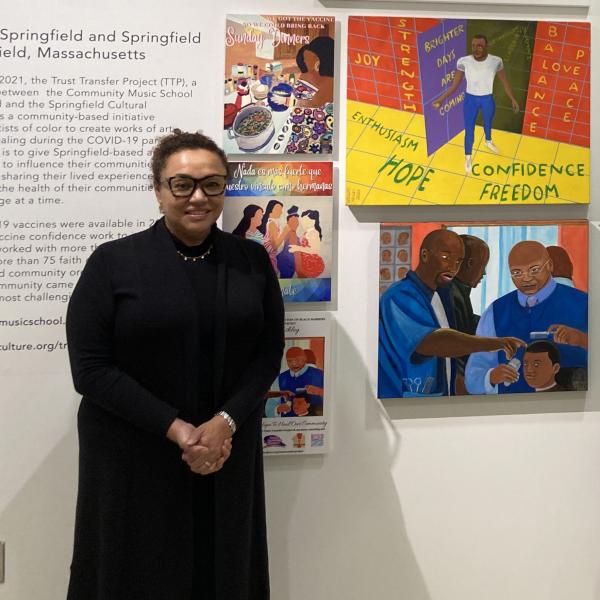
(378, 134)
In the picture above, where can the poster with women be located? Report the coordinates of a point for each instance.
(278, 85)
(286, 207)
(467, 111)
(297, 406)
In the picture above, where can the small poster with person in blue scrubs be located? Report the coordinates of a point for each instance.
(297, 407)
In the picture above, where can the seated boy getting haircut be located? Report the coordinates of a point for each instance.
(541, 363)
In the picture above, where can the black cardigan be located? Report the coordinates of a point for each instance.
(130, 328)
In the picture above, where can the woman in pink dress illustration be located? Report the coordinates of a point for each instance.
(309, 263)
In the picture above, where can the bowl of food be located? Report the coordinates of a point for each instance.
(252, 128)
(280, 97)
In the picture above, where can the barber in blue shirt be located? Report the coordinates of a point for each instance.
(417, 342)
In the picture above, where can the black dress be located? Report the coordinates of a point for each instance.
(201, 268)
(142, 353)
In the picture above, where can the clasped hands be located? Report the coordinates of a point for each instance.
(204, 448)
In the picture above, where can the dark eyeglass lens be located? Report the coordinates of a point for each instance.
(213, 186)
(181, 186)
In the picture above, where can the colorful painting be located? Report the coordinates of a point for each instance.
(297, 403)
(279, 82)
(286, 207)
(466, 111)
(482, 308)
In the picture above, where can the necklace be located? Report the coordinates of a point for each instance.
(195, 258)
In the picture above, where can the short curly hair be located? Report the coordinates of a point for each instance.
(179, 140)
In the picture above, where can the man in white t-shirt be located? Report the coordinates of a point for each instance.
(479, 70)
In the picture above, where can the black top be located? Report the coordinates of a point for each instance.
(133, 331)
(466, 320)
(202, 275)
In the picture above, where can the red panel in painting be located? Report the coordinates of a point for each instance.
(560, 66)
(383, 67)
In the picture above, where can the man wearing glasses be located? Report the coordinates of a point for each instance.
(539, 306)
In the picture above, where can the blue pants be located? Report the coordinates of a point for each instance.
(471, 107)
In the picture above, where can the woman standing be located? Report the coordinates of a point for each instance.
(272, 232)
(309, 263)
(286, 262)
(175, 334)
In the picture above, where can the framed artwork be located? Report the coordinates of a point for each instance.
(467, 111)
(296, 407)
(279, 83)
(288, 208)
(482, 308)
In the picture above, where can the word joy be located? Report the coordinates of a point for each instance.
(367, 59)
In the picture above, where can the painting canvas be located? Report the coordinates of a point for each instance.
(467, 111)
(278, 86)
(286, 207)
(296, 407)
(482, 308)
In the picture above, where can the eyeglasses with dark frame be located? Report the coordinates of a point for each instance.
(184, 186)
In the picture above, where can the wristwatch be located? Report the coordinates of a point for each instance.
(228, 419)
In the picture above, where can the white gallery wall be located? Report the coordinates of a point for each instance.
(465, 498)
